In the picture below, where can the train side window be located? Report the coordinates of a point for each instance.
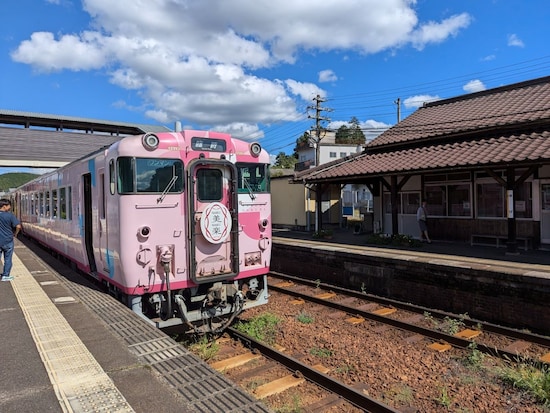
(54, 203)
(69, 203)
(112, 176)
(125, 175)
(62, 203)
(209, 184)
(41, 204)
(47, 206)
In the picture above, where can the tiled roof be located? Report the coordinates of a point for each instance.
(504, 126)
(508, 106)
(467, 154)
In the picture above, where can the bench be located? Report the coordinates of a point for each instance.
(499, 241)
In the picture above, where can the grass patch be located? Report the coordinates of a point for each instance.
(205, 348)
(263, 327)
(533, 379)
(305, 318)
(320, 352)
(399, 240)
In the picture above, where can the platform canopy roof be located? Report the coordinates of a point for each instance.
(32, 139)
(505, 126)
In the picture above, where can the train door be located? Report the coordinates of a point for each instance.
(87, 221)
(102, 221)
(214, 223)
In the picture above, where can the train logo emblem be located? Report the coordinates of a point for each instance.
(216, 223)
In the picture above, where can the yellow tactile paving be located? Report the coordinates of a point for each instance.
(78, 380)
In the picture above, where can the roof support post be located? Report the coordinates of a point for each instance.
(512, 244)
(394, 192)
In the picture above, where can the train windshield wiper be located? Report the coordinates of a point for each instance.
(168, 187)
(249, 188)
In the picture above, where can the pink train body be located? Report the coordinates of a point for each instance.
(176, 224)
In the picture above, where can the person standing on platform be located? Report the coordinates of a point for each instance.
(422, 218)
(9, 228)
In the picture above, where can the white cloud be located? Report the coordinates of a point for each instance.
(474, 86)
(488, 58)
(415, 102)
(327, 76)
(45, 53)
(515, 41)
(196, 61)
(434, 32)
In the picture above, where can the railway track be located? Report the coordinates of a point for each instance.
(338, 392)
(384, 311)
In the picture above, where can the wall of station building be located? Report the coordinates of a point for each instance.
(459, 219)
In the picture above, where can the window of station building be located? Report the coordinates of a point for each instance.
(252, 177)
(449, 195)
(332, 154)
(407, 202)
(343, 154)
(149, 175)
(209, 184)
(491, 200)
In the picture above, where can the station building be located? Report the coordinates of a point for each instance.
(481, 161)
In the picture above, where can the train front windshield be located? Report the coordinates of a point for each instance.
(149, 175)
(253, 177)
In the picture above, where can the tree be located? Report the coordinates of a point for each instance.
(350, 135)
(302, 142)
(285, 161)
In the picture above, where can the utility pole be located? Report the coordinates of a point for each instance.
(398, 103)
(318, 118)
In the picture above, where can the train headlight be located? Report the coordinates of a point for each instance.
(144, 231)
(150, 141)
(263, 223)
(255, 149)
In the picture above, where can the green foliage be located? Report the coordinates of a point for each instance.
(262, 327)
(284, 161)
(15, 180)
(205, 349)
(444, 399)
(351, 134)
(295, 406)
(323, 233)
(476, 357)
(305, 318)
(321, 352)
(533, 379)
(399, 240)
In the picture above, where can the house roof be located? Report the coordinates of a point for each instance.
(460, 155)
(511, 106)
(497, 127)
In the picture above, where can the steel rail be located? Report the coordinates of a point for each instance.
(470, 322)
(348, 393)
(426, 332)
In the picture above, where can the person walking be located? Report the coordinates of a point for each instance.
(9, 228)
(422, 218)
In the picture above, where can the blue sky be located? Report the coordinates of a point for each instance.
(253, 68)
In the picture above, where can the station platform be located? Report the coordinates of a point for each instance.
(69, 347)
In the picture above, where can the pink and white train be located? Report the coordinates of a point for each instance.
(176, 224)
